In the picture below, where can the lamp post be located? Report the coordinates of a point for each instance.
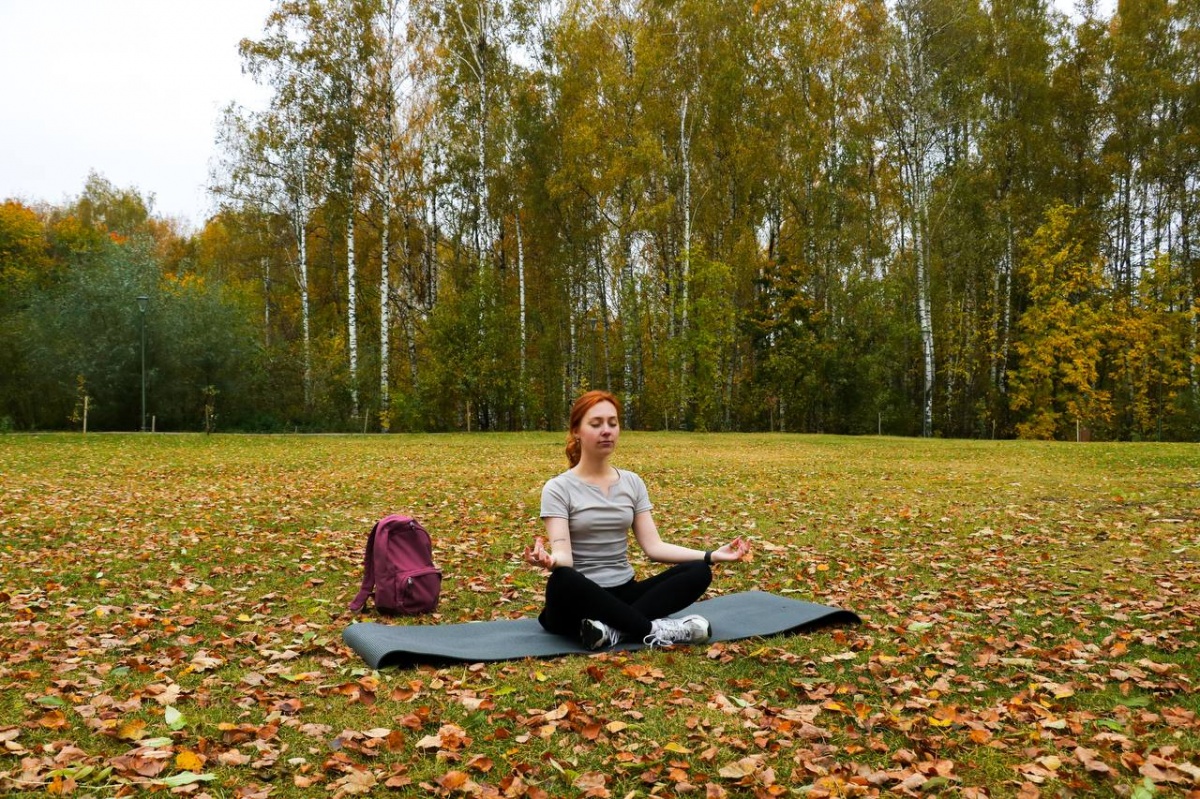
(143, 301)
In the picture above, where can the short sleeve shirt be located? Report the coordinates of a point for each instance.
(599, 524)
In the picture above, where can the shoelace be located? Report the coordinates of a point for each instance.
(609, 636)
(666, 635)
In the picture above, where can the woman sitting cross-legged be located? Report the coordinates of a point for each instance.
(588, 511)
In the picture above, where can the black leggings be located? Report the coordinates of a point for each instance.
(571, 598)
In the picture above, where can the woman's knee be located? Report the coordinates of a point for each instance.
(559, 574)
(700, 569)
(697, 573)
(562, 577)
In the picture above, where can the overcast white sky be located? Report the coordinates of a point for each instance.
(132, 89)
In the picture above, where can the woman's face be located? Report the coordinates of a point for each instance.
(599, 430)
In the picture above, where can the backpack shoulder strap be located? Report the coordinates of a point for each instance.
(368, 581)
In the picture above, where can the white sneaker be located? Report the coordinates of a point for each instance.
(688, 630)
(598, 635)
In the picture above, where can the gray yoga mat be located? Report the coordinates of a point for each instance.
(734, 616)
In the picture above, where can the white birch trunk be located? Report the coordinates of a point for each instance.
(301, 210)
(629, 322)
(924, 317)
(352, 312)
(408, 304)
(1006, 310)
(685, 146)
(918, 224)
(569, 366)
(477, 40)
(385, 399)
(602, 285)
(482, 232)
(521, 301)
(301, 235)
(572, 348)
(430, 253)
(914, 132)
(1193, 302)
(266, 265)
(1190, 296)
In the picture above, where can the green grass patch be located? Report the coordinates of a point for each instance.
(171, 610)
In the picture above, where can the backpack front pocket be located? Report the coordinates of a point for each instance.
(419, 591)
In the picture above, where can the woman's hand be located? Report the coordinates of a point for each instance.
(737, 549)
(538, 554)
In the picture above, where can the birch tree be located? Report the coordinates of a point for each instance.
(387, 75)
(923, 109)
(1017, 146)
(313, 55)
(268, 164)
(351, 46)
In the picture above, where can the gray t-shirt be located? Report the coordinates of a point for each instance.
(599, 524)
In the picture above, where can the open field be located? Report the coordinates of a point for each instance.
(171, 610)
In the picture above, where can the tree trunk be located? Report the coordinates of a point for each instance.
(685, 277)
(924, 317)
(432, 234)
(1006, 318)
(407, 304)
(302, 243)
(521, 301)
(481, 237)
(385, 399)
(629, 323)
(352, 311)
(266, 274)
(571, 368)
(602, 285)
(478, 43)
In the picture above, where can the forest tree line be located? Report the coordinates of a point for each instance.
(924, 217)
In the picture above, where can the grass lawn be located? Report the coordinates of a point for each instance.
(171, 610)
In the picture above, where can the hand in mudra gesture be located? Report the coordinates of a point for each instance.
(737, 549)
(538, 555)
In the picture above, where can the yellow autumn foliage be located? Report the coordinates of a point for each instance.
(1062, 333)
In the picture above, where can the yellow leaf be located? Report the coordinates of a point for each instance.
(132, 730)
(54, 720)
(188, 760)
(677, 748)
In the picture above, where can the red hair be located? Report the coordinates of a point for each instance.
(579, 410)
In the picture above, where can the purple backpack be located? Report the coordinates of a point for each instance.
(398, 566)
